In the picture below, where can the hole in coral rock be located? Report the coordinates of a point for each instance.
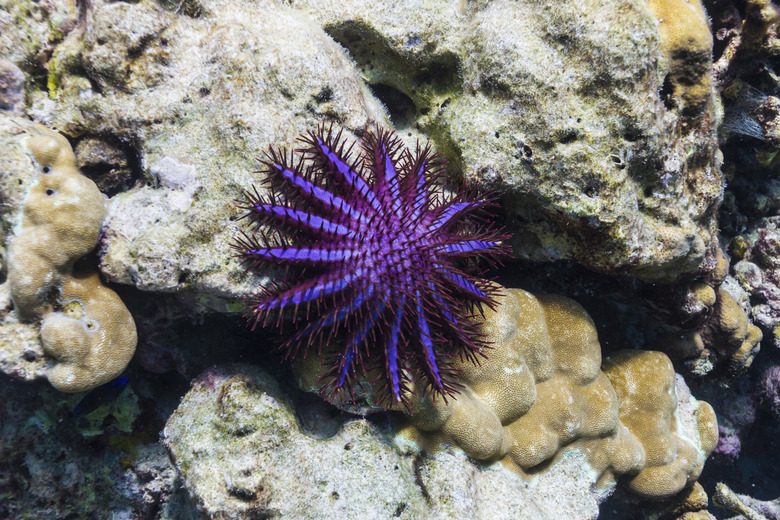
(112, 162)
(524, 152)
(324, 95)
(400, 106)
(667, 94)
(183, 276)
(567, 136)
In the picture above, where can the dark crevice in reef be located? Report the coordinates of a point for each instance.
(111, 162)
(401, 108)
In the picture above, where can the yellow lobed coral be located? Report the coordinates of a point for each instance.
(85, 328)
(543, 391)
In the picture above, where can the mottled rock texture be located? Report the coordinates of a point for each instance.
(243, 455)
(571, 112)
(201, 91)
(597, 128)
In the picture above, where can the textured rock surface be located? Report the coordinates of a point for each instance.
(758, 272)
(195, 97)
(559, 105)
(595, 166)
(11, 87)
(237, 441)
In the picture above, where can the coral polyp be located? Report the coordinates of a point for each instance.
(383, 253)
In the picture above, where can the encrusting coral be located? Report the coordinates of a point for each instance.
(686, 50)
(543, 391)
(85, 327)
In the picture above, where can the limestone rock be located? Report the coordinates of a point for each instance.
(243, 454)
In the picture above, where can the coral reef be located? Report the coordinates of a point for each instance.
(745, 506)
(54, 466)
(686, 47)
(704, 328)
(11, 87)
(757, 272)
(542, 393)
(378, 239)
(724, 339)
(243, 454)
(591, 119)
(85, 327)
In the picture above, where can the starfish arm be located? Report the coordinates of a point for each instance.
(445, 309)
(319, 288)
(335, 316)
(309, 191)
(313, 223)
(299, 254)
(356, 340)
(342, 169)
(391, 349)
(462, 282)
(427, 343)
(451, 212)
(391, 177)
(466, 247)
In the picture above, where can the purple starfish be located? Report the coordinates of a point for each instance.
(384, 253)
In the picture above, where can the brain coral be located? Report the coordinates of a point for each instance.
(543, 391)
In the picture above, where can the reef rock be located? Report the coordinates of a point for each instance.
(595, 166)
(544, 392)
(594, 118)
(191, 97)
(243, 454)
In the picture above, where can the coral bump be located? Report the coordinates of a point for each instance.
(383, 252)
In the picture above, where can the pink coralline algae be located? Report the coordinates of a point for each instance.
(382, 258)
(770, 389)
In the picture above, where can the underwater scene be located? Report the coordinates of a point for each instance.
(422, 259)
